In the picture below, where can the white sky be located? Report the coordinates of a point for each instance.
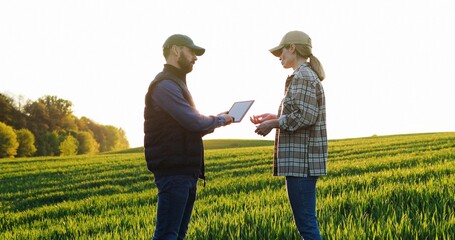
(389, 64)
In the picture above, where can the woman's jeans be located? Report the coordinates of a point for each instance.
(302, 196)
(176, 196)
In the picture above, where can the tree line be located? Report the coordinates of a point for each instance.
(47, 127)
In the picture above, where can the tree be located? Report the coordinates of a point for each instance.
(99, 133)
(48, 118)
(38, 119)
(84, 123)
(8, 141)
(26, 141)
(48, 144)
(110, 138)
(69, 146)
(87, 143)
(7, 108)
(122, 142)
(50, 113)
(10, 113)
(116, 139)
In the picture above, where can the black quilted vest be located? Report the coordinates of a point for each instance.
(169, 148)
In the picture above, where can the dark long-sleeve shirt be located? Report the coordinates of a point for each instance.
(167, 96)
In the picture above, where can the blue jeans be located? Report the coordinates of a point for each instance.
(302, 196)
(176, 196)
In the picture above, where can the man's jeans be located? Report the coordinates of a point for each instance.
(302, 196)
(176, 196)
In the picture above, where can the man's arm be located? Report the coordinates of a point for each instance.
(169, 98)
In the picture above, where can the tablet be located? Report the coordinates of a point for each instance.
(239, 109)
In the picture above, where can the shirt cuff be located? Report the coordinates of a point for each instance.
(282, 122)
(220, 121)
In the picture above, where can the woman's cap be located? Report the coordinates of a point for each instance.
(183, 40)
(292, 37)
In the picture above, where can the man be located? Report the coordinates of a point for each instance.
(173, 137)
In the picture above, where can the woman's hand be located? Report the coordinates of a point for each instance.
(258, 119)
(264, 128)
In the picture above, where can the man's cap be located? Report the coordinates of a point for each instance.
(183, 40)
(292, 37)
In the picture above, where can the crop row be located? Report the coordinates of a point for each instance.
(395, 187)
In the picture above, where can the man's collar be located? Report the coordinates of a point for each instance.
(177, 71)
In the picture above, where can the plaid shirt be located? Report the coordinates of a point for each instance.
(301, 140)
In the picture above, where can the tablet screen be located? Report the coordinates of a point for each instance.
(239, 109)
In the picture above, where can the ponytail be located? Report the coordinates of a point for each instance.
(304, 50)
(316, 65)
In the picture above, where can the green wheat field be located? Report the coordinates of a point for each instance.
(388, 187)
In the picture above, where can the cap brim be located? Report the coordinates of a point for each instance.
(198, 50)
(276, 51)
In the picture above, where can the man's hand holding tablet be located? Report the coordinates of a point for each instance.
(239, 109)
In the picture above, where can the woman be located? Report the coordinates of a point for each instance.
(300, 152)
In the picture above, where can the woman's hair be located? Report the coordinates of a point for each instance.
(304, 51)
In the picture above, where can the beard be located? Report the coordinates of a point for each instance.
(184, 64)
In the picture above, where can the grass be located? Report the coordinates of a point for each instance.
(390, 187)
(212, 144)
